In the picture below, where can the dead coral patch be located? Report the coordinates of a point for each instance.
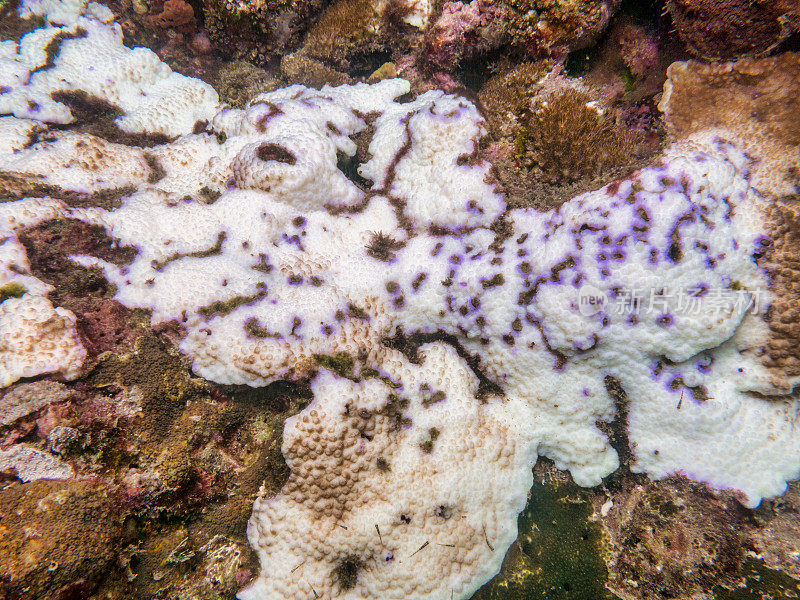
(57, 537)
(675, 539)
(352, 40)
(734, 28)
(778, 539)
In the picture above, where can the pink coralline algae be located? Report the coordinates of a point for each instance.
(464, 31)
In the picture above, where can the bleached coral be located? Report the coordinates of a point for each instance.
(37, 338)
(388, 485)
(276, 257)
(40, 75)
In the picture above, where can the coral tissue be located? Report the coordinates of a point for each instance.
(459, 339)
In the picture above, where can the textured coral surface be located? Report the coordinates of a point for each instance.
(324, 340)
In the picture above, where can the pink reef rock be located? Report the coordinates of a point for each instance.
(464, 31)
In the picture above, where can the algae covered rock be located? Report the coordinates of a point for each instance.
(257, 30)
(734, 28)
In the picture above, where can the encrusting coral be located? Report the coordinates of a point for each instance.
(447, 339)
(734, 28)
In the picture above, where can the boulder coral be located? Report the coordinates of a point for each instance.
(351, 238)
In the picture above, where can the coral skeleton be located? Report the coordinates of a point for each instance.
(449, 341)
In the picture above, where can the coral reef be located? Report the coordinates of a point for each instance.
(753, 102)
(254, 31)
(555, 27)
(565, 139)
(238, 82)
(734, 28)
(313, 308)
(173, 13)
(553, 137)
(464, 31)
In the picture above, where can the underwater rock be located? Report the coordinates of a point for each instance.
(255, 31)
(734, 28)
(464, 31)
(547, 27)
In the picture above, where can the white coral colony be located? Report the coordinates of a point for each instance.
(408, 472)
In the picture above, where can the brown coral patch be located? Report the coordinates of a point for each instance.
(555, 28)
(733, 28)
(754, 101)
(546, 145)
(508, 94)
(96, 116)
(566, 140)
(299, 68)
(103, 324)
(56, 538)
(12, 26)
(14, 186)
(782, 261)
(346, 471)
(48, 245)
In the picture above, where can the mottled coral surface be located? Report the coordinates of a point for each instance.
(143, 475)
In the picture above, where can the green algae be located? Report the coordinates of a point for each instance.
(558, 554)
(225, 307)
(12, 290)
(761, 583)
(340, 363)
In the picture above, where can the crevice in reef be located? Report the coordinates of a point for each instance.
(617, 432)
(348, 165)
(14, 186)
(409, 344)
(96, 116)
